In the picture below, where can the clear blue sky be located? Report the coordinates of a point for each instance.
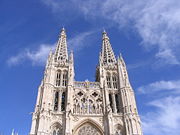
(146, 33)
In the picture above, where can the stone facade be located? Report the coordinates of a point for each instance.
(68, 107)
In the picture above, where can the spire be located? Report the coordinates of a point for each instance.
(61, 53)
(107, 55)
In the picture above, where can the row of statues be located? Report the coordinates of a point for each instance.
(87, 107)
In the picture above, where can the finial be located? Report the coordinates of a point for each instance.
(63, 29)
(71, 51)
(105, 35)
(104, 31)
(12, 132)
(120, 55)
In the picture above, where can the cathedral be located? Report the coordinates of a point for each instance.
(65, 106)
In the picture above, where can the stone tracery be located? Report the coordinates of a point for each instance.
(57, 129)
(107, 101)
(118, 129)
(87, 104)
(88, 129)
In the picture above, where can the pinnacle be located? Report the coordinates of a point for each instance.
(104, 31)
(63, 29)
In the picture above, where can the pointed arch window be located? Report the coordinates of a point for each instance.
(64, 81)
(114, 81)
(57, 132)
(63, 101)
(54, 132)
(108, 79)
(58, 78)
(88, 129)
(117, 103)
(111, 102)
(118, 129)
(56, 99)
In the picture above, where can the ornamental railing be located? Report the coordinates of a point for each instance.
(87, 84)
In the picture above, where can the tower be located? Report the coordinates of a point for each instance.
(68, 107)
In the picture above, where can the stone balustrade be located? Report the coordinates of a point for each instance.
(87, 84)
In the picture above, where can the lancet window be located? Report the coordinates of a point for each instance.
(117, 103)
(58, 78)
(59, 101)
(114, 81)
(111, 102)
(57, 131)
(64, 81)
(118, 132)
(108, 79)
(61, 78)
(114, 102)
(56, 100)
(87, 104)
(63, 101)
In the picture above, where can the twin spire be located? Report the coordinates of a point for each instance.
(107, 56)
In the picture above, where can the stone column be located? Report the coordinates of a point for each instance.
(114, 103)
(59, 102)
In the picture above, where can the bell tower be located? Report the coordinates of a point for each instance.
(54, 92)
(120, 105)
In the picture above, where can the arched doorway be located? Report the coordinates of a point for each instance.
(88, 128)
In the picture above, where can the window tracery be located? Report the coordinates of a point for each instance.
(111, 102)
(114, 102)
(108, 79)
(57, 131)
(118, 132)
(61, 78)
(117, 103)
(114, 81)
(87, 104)
(58, 78)
(88, 129)
(64, 81)
(56, 99)
(63, 101)
(118, 129)
(59, 101)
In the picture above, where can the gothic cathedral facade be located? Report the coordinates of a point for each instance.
(68, 107)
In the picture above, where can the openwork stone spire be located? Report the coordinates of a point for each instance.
(107, 55)
(61, 53)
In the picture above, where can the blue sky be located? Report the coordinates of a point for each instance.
(145, 32)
